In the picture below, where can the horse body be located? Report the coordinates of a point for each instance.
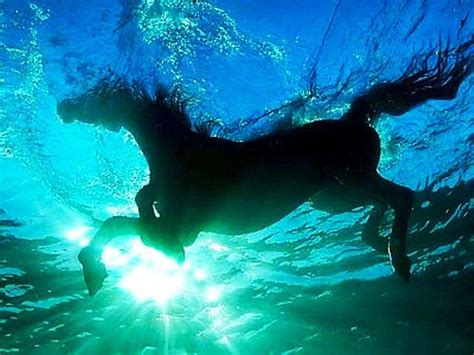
(221, 186)
(201, 183)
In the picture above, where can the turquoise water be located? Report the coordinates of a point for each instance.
(306, 285)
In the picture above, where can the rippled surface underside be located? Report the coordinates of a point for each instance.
(307, 284)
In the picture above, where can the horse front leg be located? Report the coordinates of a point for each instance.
(91, 256)
(160, 233)
(145, 199)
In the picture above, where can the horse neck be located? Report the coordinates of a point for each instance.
(159, 143)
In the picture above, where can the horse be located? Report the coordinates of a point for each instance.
(198, 182)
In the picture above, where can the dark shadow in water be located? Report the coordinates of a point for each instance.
(44, 308)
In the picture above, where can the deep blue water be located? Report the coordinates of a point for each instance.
(307, 284)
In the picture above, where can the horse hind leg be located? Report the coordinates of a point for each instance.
(400, 199)
(370, 233)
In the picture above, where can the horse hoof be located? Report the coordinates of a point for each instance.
(94, 271)
(401, 264)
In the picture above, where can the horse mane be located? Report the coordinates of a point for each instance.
(169, 107)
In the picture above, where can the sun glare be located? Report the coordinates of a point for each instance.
(153, 276)
(200, 275)
(146, 283)
(79, 235)
(149, 275)
(213, 294)
(114, 257)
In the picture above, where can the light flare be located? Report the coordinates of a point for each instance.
(148, 274)
(114, 257)
(79, 235)
(218, 247)
(200, 275)
(213, 294)
(146, 283)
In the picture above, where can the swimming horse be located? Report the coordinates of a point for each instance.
(203, 183)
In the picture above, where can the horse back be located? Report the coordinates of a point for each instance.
(327, 144)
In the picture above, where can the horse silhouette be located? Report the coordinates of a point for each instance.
(203, 183)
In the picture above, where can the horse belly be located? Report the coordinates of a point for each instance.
(338, 198)
(254, 204)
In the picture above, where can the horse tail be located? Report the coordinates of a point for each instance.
(436, 76)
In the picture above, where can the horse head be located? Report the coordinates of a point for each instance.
(109, 105)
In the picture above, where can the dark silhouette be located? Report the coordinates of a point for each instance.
(201, 183)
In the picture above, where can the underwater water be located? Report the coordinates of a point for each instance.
(305, 285)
